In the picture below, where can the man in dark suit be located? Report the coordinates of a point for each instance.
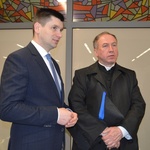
(29, 97)
(124, 107)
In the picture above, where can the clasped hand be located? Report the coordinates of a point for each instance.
(67, 118)
(111, 137)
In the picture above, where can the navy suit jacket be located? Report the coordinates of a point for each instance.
(29, 99)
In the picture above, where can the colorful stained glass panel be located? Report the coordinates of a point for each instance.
(111, 10)
(23, 10)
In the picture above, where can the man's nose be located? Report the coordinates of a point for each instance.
(111, 48)
(59, 34)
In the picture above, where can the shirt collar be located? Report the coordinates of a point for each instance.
(106, 67)
(40, 49)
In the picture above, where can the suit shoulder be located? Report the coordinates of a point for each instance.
(20, 52)
(85, 70)
(125, 70)
(20, 57)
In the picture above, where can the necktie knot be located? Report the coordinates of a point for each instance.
(48, 56)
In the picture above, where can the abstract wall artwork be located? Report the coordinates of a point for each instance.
(83, 10)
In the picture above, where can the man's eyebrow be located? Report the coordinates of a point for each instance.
(105, 43)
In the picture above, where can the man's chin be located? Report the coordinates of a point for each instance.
(54, 46)
(111, 63)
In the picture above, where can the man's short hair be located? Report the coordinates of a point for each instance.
(43, 14)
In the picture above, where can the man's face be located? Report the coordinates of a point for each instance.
(50, 33)
(106, 50)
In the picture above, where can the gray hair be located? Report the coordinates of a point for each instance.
(99, 35)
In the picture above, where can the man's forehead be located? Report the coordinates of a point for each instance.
(55, 22)
(107, 38)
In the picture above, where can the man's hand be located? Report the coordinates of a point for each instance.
(111, 137)
(73, 120)
(66, 117)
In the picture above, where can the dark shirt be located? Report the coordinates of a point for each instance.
(107, 76)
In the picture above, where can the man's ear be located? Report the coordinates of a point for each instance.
(95, 51)
(37, 27)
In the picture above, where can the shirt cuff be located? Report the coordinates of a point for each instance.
(125, 133)
(58, 114)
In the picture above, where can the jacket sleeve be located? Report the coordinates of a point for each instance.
(137, 106)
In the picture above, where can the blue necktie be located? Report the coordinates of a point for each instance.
(48, 56)
(102, 107)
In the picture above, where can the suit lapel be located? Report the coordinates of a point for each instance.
(96, 72)
(100, 79)
(116, 73)
(43, 66)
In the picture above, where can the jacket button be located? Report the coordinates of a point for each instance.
(47, 126)
(62, 129)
